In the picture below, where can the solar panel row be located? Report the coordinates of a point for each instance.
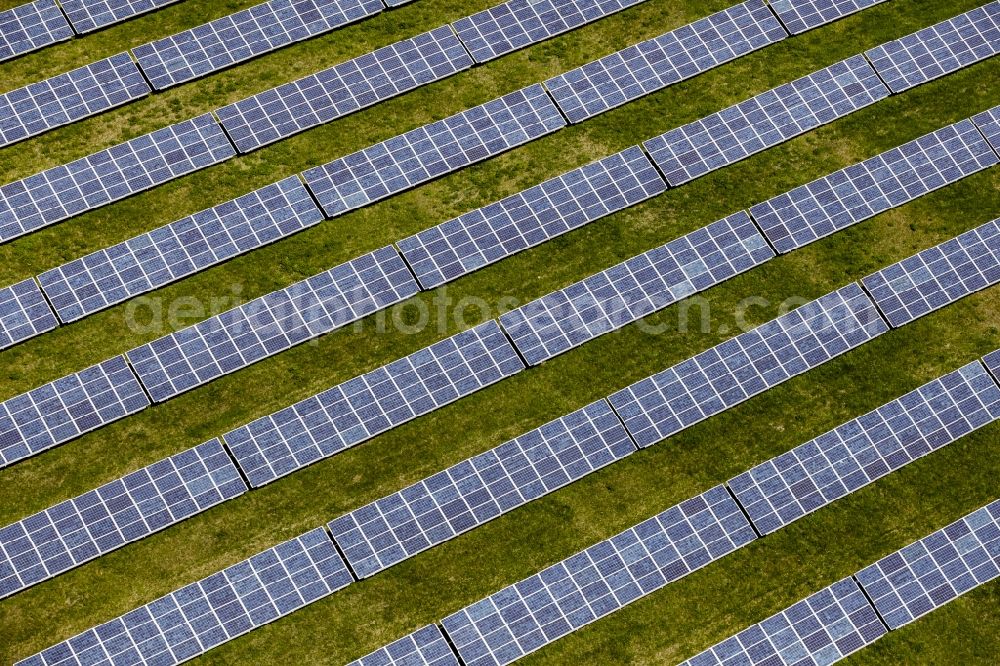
(513, 25)
(424, 647)
(533, 216)
(267, 325)
(112, 174)
(433, 150)
(858, 192)
(89, 15)
(861, 451)
(31, 26)
(68, 407)
(68, 97)
(656, 63)
(477, 490)
(202, 615)
(146, 501)
(148, 261)
(802, 15)
(939, 49)
(243, 35)
(340, 417)
(599, 580)
(635, 288)
(937, 276)
(23, 313)
(823, 628)
(726, 375)
(766, 120)
(342, 89)
(989, 124)
(930, 572)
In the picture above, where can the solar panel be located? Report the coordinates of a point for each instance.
(859, 452)
(751, 363)
(342, 89)
(244, 35)
(513, 25)
(992, 363)
(112, 174)
(938, 276)
(70, 533)
(359, 409)
(802, 15)
(860, 191)
(479, 489)
(68, 97)
(148, 261)
(766, 120)
(930, 572)
(31, 26)
(273, 323)
(635, 288)
(659, 62)
(424, 647)
(939, 49)
(599, 580)
(989, 125)
(823, 628)
(196, 618)
(57, 412)
(533, 216)
(23, 313)
(89, 15)
(433, 150)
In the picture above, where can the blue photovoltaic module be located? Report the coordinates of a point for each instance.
(930, 572)
(635, 288)
(273, 323)
(244, 35)
(424, 647)
(859, 452)
(196, 618)
(802, 15)
(937, 276)
(112, 174)
(68, 97)
(486, 235)
(477, 490)
(766, 120)
(148, 261)
(656, 63)
(146, 501)
(23, 313)
(599, 580)
(513, 25)
(358, 409)
(939, 49)
(342, 89)
(751, 363)
(68, 407)
(860, 191)
(823, 628)
(433, 150)
(31, 26)
(89, 15)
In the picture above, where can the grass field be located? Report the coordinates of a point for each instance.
(669, 625)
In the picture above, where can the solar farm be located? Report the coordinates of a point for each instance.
(419, 332)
